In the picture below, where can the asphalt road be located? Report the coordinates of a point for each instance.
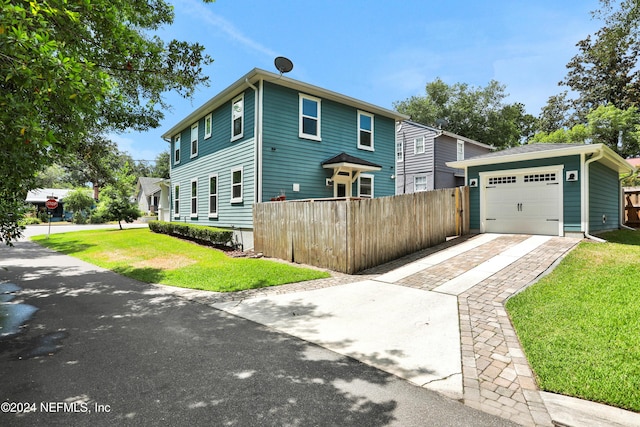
(102, 349)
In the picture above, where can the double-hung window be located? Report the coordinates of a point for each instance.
(460, 150)
(176, 149)
(399, 151)
(365, 186)
(420, 183)
(309, 126)
(237, 117)
(208, 126)
(236, 185)
(194, 139)
(213, 195)
(418, 145)
(194, 197)
(365, 130)
(176, 201)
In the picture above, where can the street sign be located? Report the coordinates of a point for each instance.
(51, 204)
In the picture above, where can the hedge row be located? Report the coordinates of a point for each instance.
(199, 233)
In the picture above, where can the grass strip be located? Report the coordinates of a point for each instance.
(156, 258)
(580, 325)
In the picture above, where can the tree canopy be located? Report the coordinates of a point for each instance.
(72, 71)
(478, 113)
(605, 71)
(618, 129)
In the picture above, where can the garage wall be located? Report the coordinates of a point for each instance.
(604, 193)
(571, 190)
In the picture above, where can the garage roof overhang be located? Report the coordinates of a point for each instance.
(541, 151)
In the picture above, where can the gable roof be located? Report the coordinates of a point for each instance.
(254, 76)
(541, 151)
(449, 134)
(149, 185)
(41, 195)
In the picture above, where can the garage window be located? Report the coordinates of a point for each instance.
(502, 180)
(540, 177)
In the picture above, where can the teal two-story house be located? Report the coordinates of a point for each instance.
(269, 137)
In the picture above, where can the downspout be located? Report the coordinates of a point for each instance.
(257, 164)
(585, 186)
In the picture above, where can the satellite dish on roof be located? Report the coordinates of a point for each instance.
(284, 65)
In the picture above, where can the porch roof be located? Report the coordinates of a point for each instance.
(344, 160)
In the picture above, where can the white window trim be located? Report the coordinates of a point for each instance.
(237, 199)
(301, 116)
(176, 201)
(241, 134)
(366, 147)
(194, 138)
(400, 144)
(192, 197)
(215, 214)
(415, 145)
(176, 149)
(426, 183)
(208, 118)
(366, 175)
(459, 151)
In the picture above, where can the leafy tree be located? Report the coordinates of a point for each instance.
(475, 112)
(115, 198)
(618, 129)
(79, 201)
(73, 70)
(557, 114)
(53, 176)
(605, 70)
(161, 167)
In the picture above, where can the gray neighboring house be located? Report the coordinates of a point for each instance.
(422, 153)
(148, 194)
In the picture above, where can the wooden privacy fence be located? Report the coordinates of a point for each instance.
(632, 207)
(352, 235)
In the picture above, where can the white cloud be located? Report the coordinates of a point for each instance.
(199, 11)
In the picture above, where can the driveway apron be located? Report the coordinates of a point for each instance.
(436, 318)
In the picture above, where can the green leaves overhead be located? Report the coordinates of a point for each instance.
(475, 112)
(72, 69)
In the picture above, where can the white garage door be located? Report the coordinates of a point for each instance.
(527, 202)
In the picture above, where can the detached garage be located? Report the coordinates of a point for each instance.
(550, 189)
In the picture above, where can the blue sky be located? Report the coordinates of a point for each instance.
(379, 51)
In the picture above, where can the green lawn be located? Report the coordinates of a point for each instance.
(157, 258)
(580, 325)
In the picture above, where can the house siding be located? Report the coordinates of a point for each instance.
(602, 199)
(288, 159)
(439, 149)
(221, 162)
(220, 139)
(446, 150)
(415, 164)
(570, 190)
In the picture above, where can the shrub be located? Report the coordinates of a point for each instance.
(199, 233)
(97, 216)
(79, 218)
(29, 220)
